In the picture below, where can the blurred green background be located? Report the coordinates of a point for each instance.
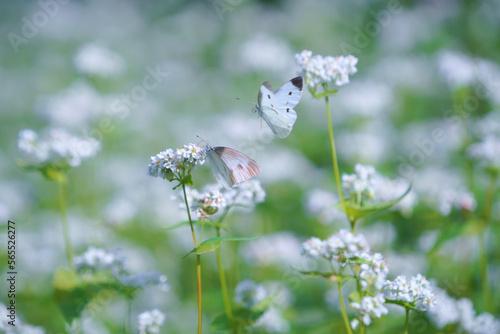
(411, 77)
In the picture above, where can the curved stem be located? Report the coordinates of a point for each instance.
(344, 313)
(406, 322)
(61, 187)
(189, 215)
(334, 154)
(223, 283)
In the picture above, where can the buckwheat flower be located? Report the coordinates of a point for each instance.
(184, 159)
(96, 59)
(314, 248)
(246, 195)
(272, 250)
(149, 322)
(360, 184)
(208, 204)
(486, 152)
(98, 259)
(374, 272)
(484, 323)
(450, 199)
(60, 146)
(370, 307)
(272, 321)
(319, 70)
(344, 246)
(145, 279)
(416, 291)
(445, 311)
(249, 293)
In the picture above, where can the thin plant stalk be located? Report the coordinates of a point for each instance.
(198, 258)
(223, 282)
(334, 153)
(63, 208)
(344, 313)
(407, 320)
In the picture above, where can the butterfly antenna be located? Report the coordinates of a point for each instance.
(245, 100)
(202, 139)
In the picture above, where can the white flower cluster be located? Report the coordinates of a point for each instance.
(215, 198)
(487, 152)
(369, 307)
(361, 183)
(183, 159)
(249, 293)
(320, 204)
(416, 291)
(450, 199)
(272, 250)
(342, 247)
(374, 272)
(96, 59)
(319, 70)
(59, 145)
(98, 259)
(19, 328)
(461, 312)
(272, 321)
(145, 279)
(149, 322)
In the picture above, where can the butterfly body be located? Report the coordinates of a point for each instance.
(276, 107)
(231, 167)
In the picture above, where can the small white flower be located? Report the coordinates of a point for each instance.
(99, 259)
(272, 321)
(247, 194)
(360, 184)
(417, 291)
(249, 293)
(59, 145)
(314, 247)
(370, 307)
(319, 70)
(149, 322)
(183, 159)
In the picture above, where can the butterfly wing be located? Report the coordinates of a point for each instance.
(276, 108)
(240, 166)
(221, 171)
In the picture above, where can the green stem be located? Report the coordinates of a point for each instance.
(198, 259)
(128, 316)
(198, 277)
(407, 320)
(490, 192)
(334, 155)
(483, 259)
(344, 313)
(63, 208)
(223, 283)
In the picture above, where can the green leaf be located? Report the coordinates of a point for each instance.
(355, 297)
(187, 180)
(212, 244)
(401, 303)
(207, 222)
(52, 171)
(356, 212)
(73, 294)
(241, 318)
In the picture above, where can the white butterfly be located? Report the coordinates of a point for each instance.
(231, 167)
(276, 108)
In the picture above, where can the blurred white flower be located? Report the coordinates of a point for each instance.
(149, 322)
(314, 247)
(456, 199)
(487, 151)
(59, 145)
(272, 250)
(174, 161)
(387, 190)
(319, 70)
(145, 279)
(488, 125)
(206, 203)
(361, 184)
(96, 59)
(272, 321)
(98, 259)
(374, 272)
(378, 99)
(370, 307)
(319, 204)
(416, 291)
(120, 209)
(266, 54)
(246, 195)
(450, 311)
(249, 293)
(75, 107)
